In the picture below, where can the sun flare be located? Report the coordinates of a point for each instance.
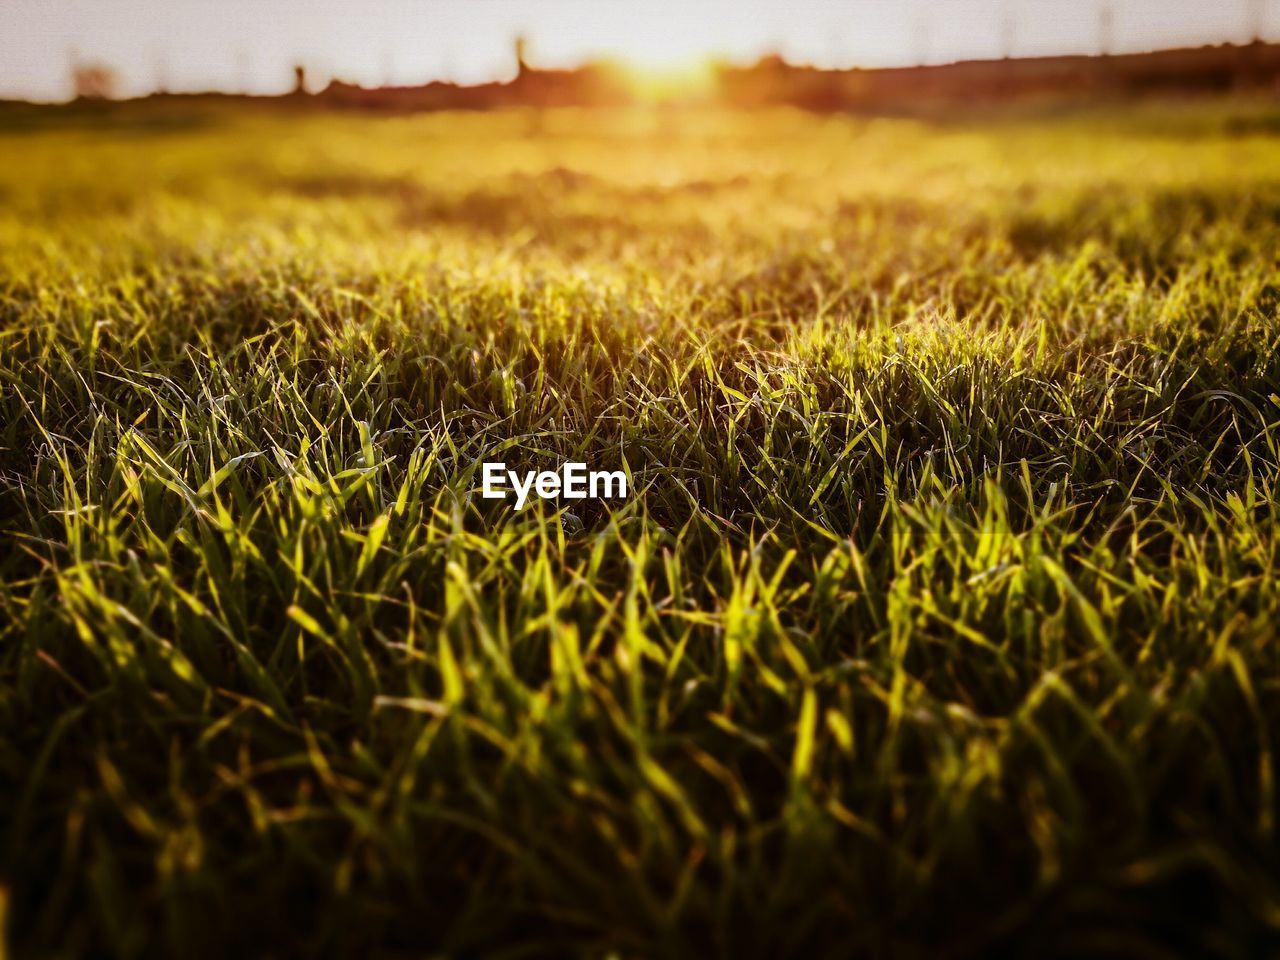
(674, 80)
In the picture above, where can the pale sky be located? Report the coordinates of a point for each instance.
(252, 44)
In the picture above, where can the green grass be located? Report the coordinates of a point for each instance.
(941, 619)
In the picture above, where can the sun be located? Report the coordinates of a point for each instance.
(658, 57)
(666, 79)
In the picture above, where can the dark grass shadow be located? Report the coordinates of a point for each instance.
(123, 117)
(1155, 233)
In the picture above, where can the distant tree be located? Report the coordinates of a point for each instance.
(522, 55)
(94, 81)
(1008, 29)
(1256, 20)
(1106, 28)
(299, 79)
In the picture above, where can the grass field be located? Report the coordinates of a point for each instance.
(940, 619)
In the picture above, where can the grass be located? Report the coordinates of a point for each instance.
(940, 619)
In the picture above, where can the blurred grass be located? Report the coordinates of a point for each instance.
(940, 621)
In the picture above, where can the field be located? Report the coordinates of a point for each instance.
(939, 620)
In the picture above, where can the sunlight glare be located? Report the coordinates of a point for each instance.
(677, 80)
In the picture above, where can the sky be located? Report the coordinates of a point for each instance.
(252, 45)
